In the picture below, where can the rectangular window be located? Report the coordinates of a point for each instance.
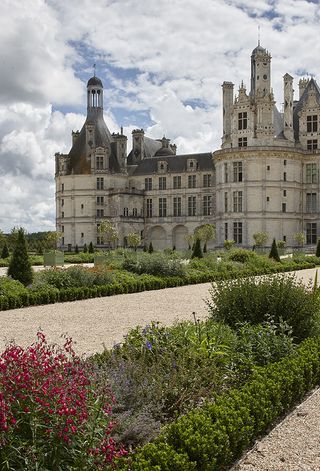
(206, 205)
(62, 187)
(148, 184)
(284, 162)
(191, 205)
(62, 228)
(62, 214)
(62, 202)
(312, 123)
(100, 213)
(62, 240)
(100, 199)
(162, 207)
(99, 162)
(177, 182)
(100, 183)
(237, 171)
(191, 181)
(284, 207)
(311, 173)
(237, 201)
(207, 180)
(226, 236)
(162, 183)
(242, 142)
(237, 232)
(242, 120)
(312, 144)
(311, 203)
(284, 193)
(149, 208)
(226, 174)
(177, 206)
(284, 176)
(82, 235)
(226, 202)
(311, 233)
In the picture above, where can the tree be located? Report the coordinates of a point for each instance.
(91, 248)
(108, 232)
(51, 239)
(197, 252)
(318, 248)
(150, 249)
(13, 237)
(134, 240)
(260, 238)
(190, 240)
(20, 267)
(76, 249)
(5, 251)
(85, 248)
(300, 238)
(274, 251)
(205, 233)
(2, 239)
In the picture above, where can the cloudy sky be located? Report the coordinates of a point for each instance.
(162, 63)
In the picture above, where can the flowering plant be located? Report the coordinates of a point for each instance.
(54, 414)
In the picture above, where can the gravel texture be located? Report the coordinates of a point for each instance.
(293, 445)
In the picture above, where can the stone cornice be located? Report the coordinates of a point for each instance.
(264, 151)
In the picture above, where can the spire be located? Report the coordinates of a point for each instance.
(258, 35)
(94, 70)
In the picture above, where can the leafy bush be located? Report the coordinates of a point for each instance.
(53, 412)
(242, 255)
(257, 300)
(154, 264)
(214, 435)
(11, 287)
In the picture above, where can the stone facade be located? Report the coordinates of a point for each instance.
(151, 191)
(265, 177)
(267, 172)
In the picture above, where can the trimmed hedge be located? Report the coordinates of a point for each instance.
(142, 283)
(213, 436)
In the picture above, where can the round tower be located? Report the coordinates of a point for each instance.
(94, 94)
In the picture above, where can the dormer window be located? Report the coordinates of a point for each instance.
(312, 123)
(192, 164)
(162, 166)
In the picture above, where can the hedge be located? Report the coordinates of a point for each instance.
(143, 283)
(213, 436)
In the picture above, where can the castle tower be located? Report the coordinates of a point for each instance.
(260, 72)
(94, 95)
(288, 107)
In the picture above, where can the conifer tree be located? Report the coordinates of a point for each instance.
(197, 252)
(150, 250)
(91, 250)
(20, 266)
(76, 249)
(5, 251)
(318, 248)
(85, 248)
(274, 251)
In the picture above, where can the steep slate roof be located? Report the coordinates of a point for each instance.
(278, 122)
(176, 163)
(151, 146)
(78, 161)
(298, 106)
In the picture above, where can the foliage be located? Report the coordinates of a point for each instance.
(318, 248)
(134, 240)
(75, 276)
(76, 250)
(274, 251)
(242, 255)
(52, 239)
(154, 264)
(300, 238)
(91, 249)
(108, 232)
(197, 252)
(214, 435)
(281, 244)
(190, 240)
(53, 413)
(150, 249)
(85, 248)
(257, 300)
(228, 244)
(260, 238)
(20, 266)
(5, 251)
(11, 287)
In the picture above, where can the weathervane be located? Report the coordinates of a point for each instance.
(94, 70)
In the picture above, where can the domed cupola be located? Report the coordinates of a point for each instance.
(165, 149)
(94, 94)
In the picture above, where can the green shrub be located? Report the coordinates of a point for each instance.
(318, 248)
(150, 249)
(85, 248)
(241, 255)
(20, 266)
(154, 264)
(5, 251)
(274, 251)
(10, 287)
(197, 252)
(91, 249)
(257, 300)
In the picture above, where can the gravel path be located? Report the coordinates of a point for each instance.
(294, 445)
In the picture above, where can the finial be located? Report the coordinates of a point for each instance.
(94, 70)
(258, 35)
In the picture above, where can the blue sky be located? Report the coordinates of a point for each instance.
(162, 63)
